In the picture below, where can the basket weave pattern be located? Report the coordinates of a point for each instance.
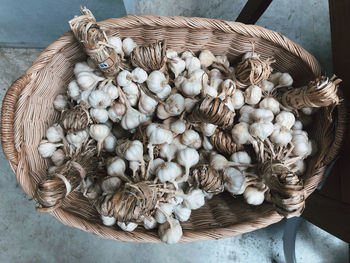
(28, 111)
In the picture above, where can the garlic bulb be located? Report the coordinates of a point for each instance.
(253, 196)
(170, 53)
(84, 97)
(178, 126)
(234, 181)
(285, 80)
(297, 125)
(116, 167)
(246, 113)
(111, 184)
(58, 157)
(73, 90)
(262, 115)
(175, 104)
(158, 135)
(108, 221)
(46, 149)
(208, 129)
(237, 99)
(281, 135)
(60, 102)
(51, 169)
(192, 63)
(110, 143)
(124, 78)
(191, 88)
(215, 83)
(164, 211)
(178, 81)
(132, 118)
(168, 151)
(178, 142)
(286, 119)
(132, 93)
(240, 133)
(215, 74)
(149, 222)
(77, 139)
(207, 144)
(111, 90)
(155, 164)
(270, 104)
(241, 157)
(128, 46)
(267, 86)
(139, 75)
(128, 226)
(274, 77)
(223, 60)
(252, 95)
(164, 93)
(182, 213)
(194, 199)
(88, 80)
(206, 58)
(187, 157)
(55, 133)
(177, 66)
(299, 167)
(312, 148)
(116, 42)
(301, 147)
(168, 171)
(189, 104)
(134, 152)
(201, 75)
(99, 132)
(210, 91)
(82, 67)
(261, 129)
(99, 115)
(192, 139)
(170, 232)
(156, 81)
(146, 104)
(186, 54)
(99, 99)
(308, 110)
(162, 113)
(116, 111)
(177, 199)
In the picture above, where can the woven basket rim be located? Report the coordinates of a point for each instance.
(13, 95)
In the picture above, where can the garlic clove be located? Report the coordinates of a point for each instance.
(178, 126)
(246, 113)
(210, 91)
(234, 181)
(207, 144)
(99, 132)
(132, 119)
(111, 184)
(46, 149)
(147, 104)
(297, 125)
(168, 151)
(192, 139)
(186, 54)
(191, 88)
(116, 111)
(223, 60)
(189, 104)
(192, 64)
(178, 81)
(285, 80)
(162, 113)
(155, 164)
(274, 77)
(77, 139)
(267, 86)
(164, 93)
(170, 53)
(261, 130)
(237, 100)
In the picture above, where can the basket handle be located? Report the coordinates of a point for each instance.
(7, 118)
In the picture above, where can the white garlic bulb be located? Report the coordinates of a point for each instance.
(253, 196)
(149, 222)
(246, 113)
(164, 93)
(241, 157)
(58, 157)
(156, 81)
(210, 91)
(192, 139)
(194, 199)
(215, 74)
(299, 167)
(201, 75)
(240, 133)
(162, 113)
(116, 167)
(134, 152)
(170, 232)
(189, 104)
(116, 42)
(168, 171)
(108, 221)
(297, 125)
(178, 81)
(281, 135)
(192, 63)
(147, 104)
(177, 66)
(271, 104)
(164, 211)
(208, 129)
(178, 142)
(186, 54)
(215, 82)
(46, 149)
(128, 46)
(78, 138)
(99, 99)
(274, 77)
(82, 67)
(111, 90)
(252, 95)
(170, 53)
(285, 80)
(158, 135)
(139, 75)
(182, 213)
(116, 111)
(60, 102)
(124, 78)
(178, 126)
(262, 115)
(73, 90)
(286, 119)
(84, 97)
(55, 133)
(261, 130)
(191, 88)
(99, 115)
(267, 86)
(207, 144)
(187, 157)
(132, 118)
(99, 132)
(175, 104)
(88, 80)
(110, 143)
(168, 151)
(111, 184)
(155, 164)
(300, 141)
(234, 181)
(237, 99)
(128, 226)
(223, 60)
(206, 58)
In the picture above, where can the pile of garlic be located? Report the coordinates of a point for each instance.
(158, 103)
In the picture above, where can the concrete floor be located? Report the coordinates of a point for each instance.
(30, 236)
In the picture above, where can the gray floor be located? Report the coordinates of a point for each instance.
(30, 236)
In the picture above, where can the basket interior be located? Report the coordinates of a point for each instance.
(36, 114)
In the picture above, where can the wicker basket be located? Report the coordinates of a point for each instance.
(28, 111)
